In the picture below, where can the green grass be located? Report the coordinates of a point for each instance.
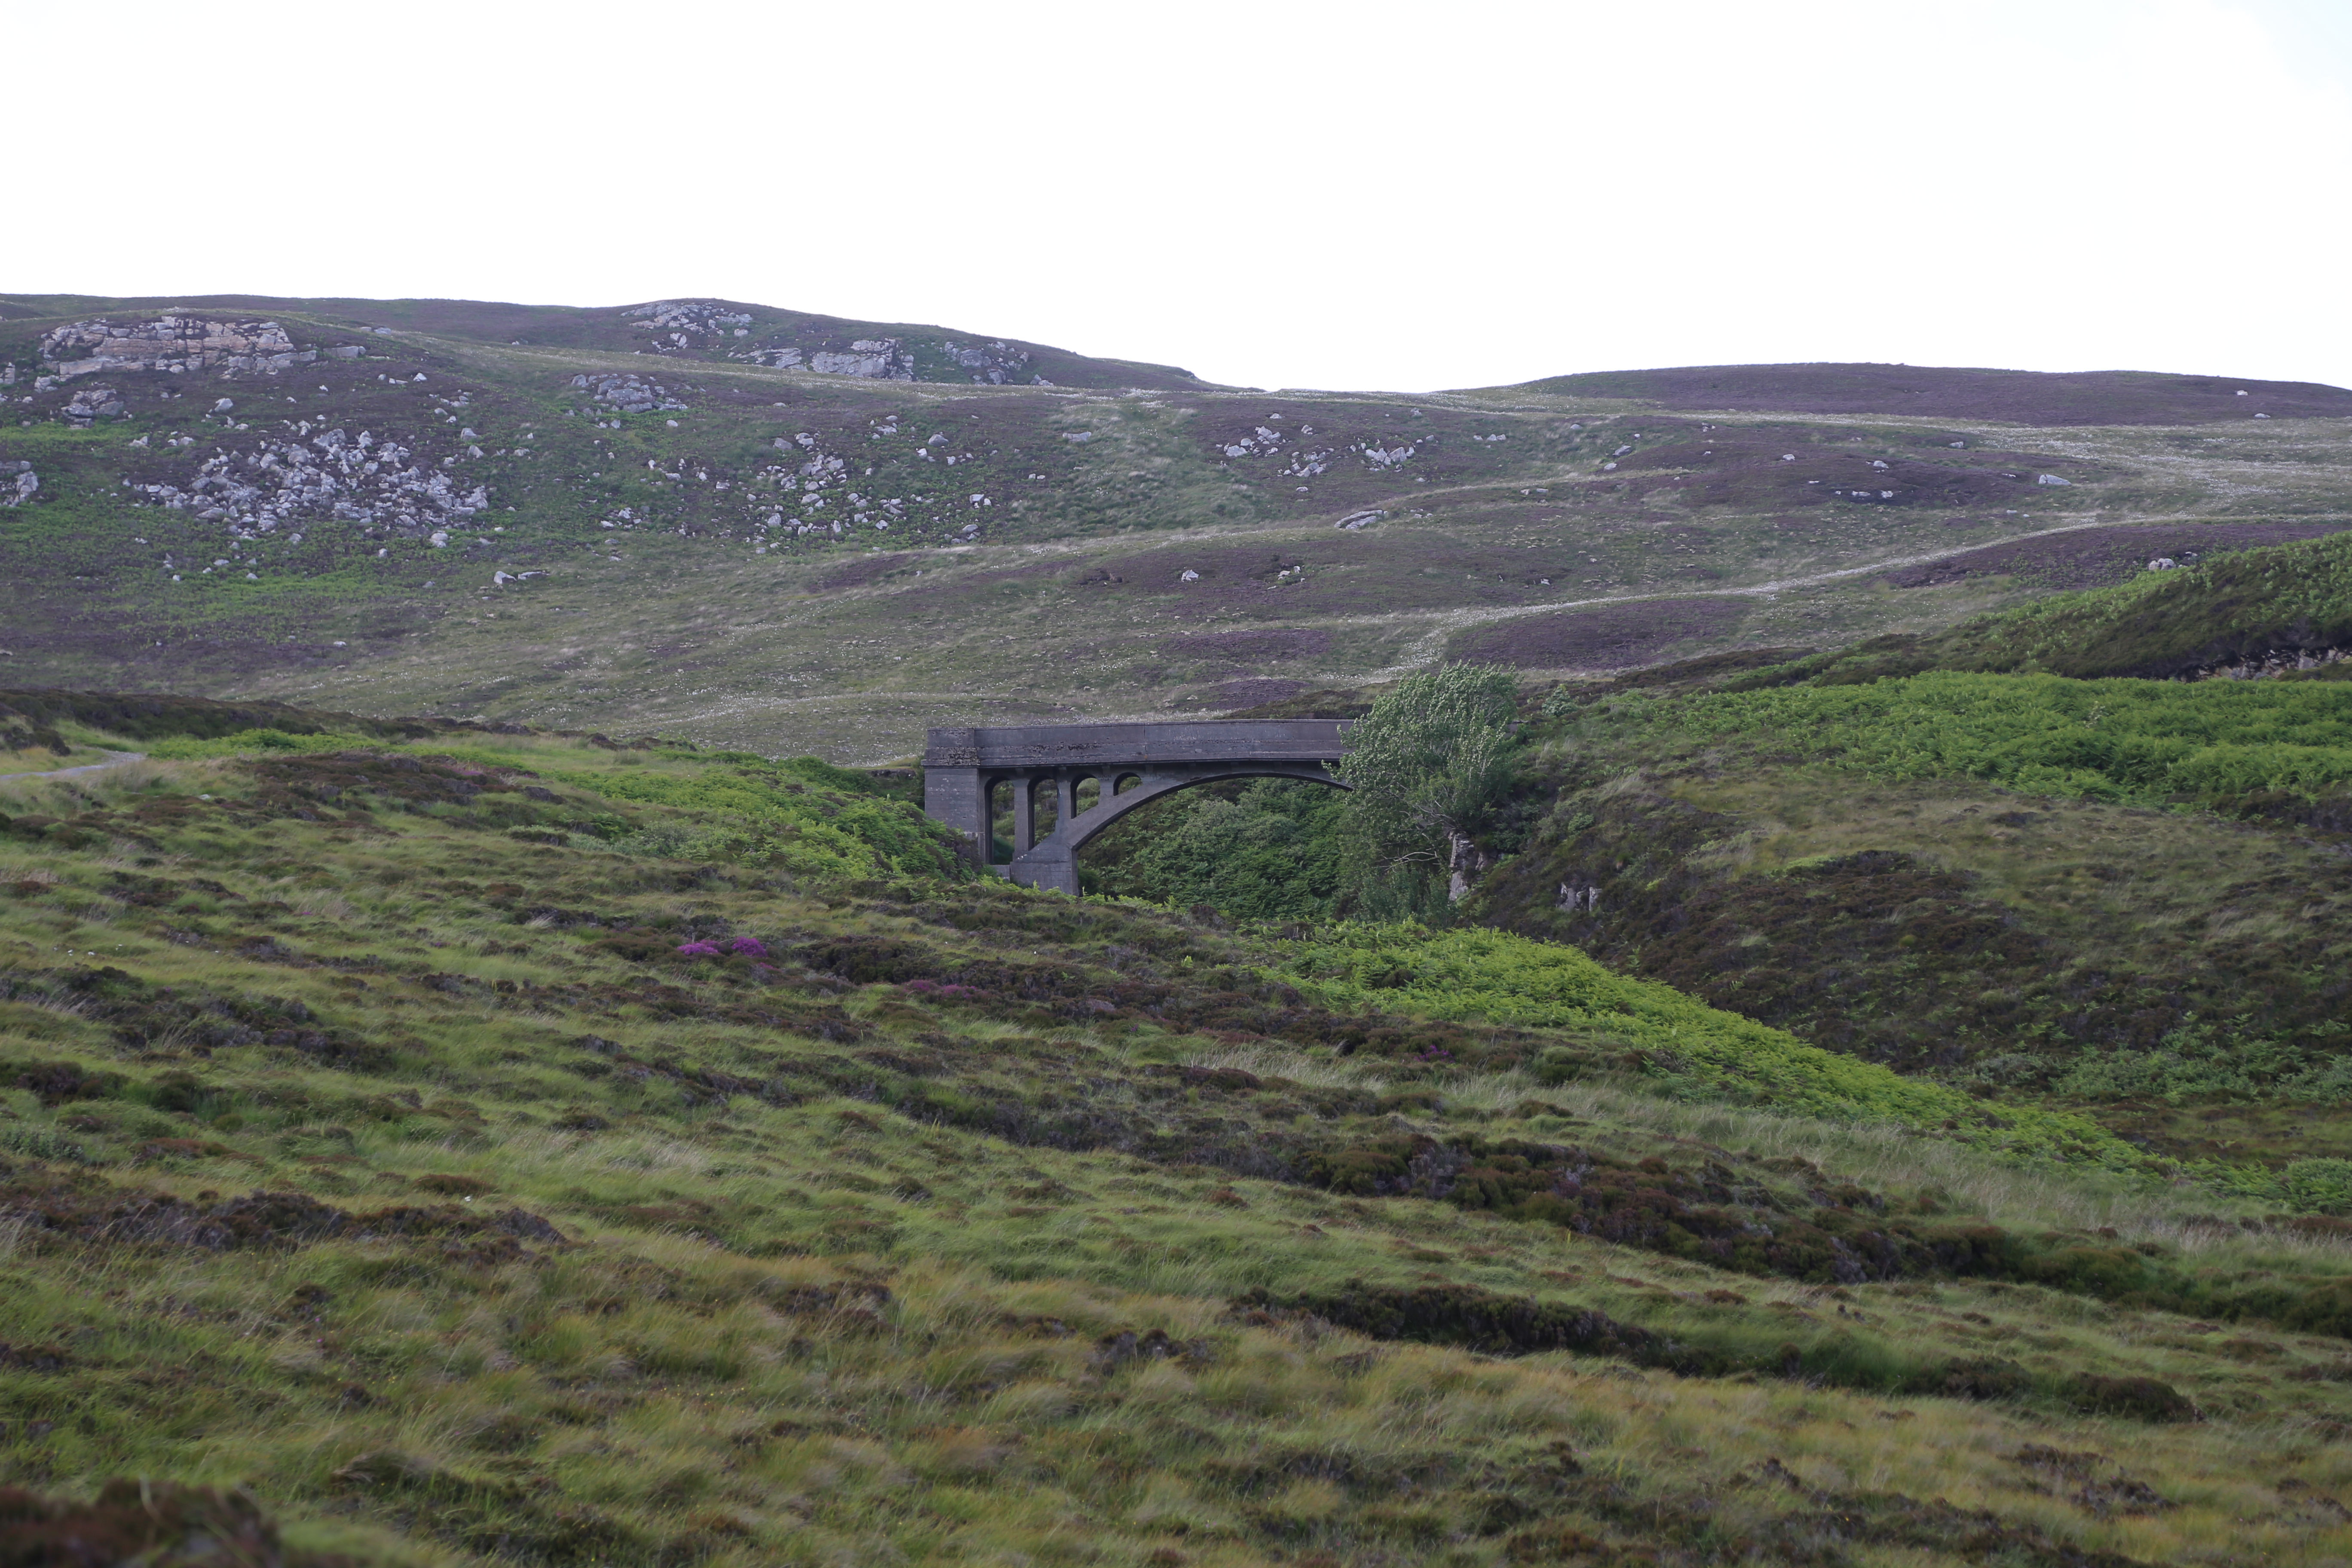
(244, 742)
(855, 1234)
(2137, 741)
(2160, 624)
(1490, 976)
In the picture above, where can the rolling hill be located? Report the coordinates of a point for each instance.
(439, 1143)
(469, 1095)
(635, 517)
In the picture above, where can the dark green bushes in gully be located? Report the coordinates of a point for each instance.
(1426, 768)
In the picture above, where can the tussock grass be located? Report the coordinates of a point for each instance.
(816, 1318)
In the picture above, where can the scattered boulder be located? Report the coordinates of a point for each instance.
(993, 364)
(631, 394)
(93, 402)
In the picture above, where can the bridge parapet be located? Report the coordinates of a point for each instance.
(1130, 763)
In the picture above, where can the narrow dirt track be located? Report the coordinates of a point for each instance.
(113, 760)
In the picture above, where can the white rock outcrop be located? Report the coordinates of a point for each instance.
(332, 474)
(675, 323)
(175, 343)
(876, 359)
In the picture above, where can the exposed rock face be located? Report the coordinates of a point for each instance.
(175, 343)
(18, 483)
(890, 359)
(878, 359)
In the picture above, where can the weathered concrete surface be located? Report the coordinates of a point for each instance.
(1130, 763)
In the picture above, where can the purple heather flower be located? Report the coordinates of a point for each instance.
(748, 946)
(698, 949)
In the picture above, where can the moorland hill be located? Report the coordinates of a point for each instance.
(760, 528)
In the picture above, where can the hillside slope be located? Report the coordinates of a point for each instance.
(479, 1148)
(690, 331)
(2266, 612)
(2024, 397)
(632, 518)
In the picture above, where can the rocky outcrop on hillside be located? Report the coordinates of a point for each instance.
(91, 403)
(874, 359)
(878, 359)
(18, 483)
(993, 363)
(630, 394)
(813, 485)
(892, 359)
(677, 323)
(331, 475)
(177, 344)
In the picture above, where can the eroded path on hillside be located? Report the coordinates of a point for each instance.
(1445, 622)
(113, 760)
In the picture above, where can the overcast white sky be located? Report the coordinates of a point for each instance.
(1279, 194)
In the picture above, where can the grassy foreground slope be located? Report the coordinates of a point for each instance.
(506, 1147)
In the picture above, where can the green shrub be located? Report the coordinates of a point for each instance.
(2122, 741)
(189, 748)
(1272, 853)
(2319, 1186)
(1494, 977)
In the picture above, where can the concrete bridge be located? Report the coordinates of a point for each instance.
(1128, 764)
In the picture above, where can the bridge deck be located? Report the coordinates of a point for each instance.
(1107, 745)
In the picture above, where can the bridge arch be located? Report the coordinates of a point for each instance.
(1133, 764)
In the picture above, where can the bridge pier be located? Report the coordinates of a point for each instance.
(962, 768)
